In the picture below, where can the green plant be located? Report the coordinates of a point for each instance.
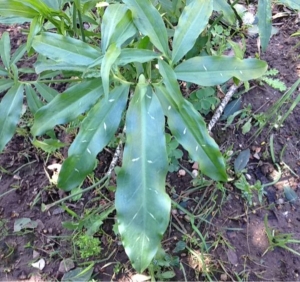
(133, 70)
(279, 239)
(174, 154)
(248, 190)
(88, 246)
(204, 100)
(273, 82)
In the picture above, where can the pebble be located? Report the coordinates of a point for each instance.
(224, 277)
(280, 201)
(22, 276)
(181, 173)
(187, 218)
(195, 173)
(174, 212)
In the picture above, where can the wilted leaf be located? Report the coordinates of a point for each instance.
(242, 160)
(290, 194)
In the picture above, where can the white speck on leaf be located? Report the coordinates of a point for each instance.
(241, 72)
(111, 100)
(204, 67)
(104, 125)
(76, 169)
(169, 108)
(134, 160)
(149, 161)
(184, 131)
(88, 150)
(197, 148)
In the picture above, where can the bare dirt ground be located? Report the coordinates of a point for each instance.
(238, 229)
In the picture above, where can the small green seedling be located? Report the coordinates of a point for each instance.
(88, 246)
(279, 239)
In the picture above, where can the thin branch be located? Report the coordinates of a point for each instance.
(222, 106)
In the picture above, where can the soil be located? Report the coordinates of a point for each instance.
(235, 233)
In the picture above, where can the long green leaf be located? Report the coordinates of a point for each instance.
(131, 55)
(12, 8)
(264, 13)
(65, 49)
(214, 70)
(112, 16)
(39, 6)
(33, 101)
(149, 22)
(294, 4)
(142, 205)
(96, 131)
(191, 23)
(188, 126)
(124, 30)
(46, 92)
(10, 112)
(111, 55)
(18, 54)
(46, 65)
(5, 49)
(67, 106)
(225, 8)
(5, 84)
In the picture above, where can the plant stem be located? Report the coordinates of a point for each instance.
(46, 207)
(81, 24)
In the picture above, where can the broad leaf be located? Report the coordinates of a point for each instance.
(112, 16)
(18, 54)
(142, 205)
(190, 130)
(5, 49)
(264, 13)
(124, 30)
(35, 27)
(65, 49)
(242, 160)
(131, 55)
(214, 70)
(188, 126)
(96, 131)
(109, 59)
(5, 84)
(10, 109)
(294, 4)
(13, 8)
(149, 22)
(67, 106)
(46, 65)
(39, 6)
(46, 92)
(33, 101)
(191, 23)
(223, 7)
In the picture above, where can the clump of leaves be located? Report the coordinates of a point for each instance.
(273, 82)
(88, 246)
(204, 100)
(135, 69)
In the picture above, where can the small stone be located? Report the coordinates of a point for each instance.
(50, 230)
(187, 218)
(248, 176)
(195, 166)
(45, 231)
(174, 212)
(181, 173)
(280, 201)
(195, 173)
(22, 276)
(224, 277)
(66, 265)
(35, 254)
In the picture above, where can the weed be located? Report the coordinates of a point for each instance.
(88, 246)
(248, 190)
(273, 82)
(280, 240)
